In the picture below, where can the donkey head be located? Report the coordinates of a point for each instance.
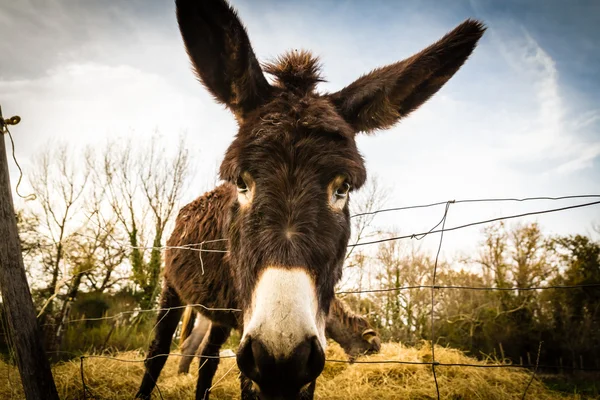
(294, 163)
(351, 331)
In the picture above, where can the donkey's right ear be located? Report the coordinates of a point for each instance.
(385, 95)
(220, 51)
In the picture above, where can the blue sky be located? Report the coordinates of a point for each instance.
(521, 118)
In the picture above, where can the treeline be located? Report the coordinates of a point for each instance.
(508, 325)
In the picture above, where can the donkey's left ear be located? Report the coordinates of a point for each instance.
(384, 96)
(222, 55)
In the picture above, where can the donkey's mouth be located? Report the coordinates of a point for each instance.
(281, 377)
(304, 393)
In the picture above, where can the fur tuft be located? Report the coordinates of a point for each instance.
(295, 70)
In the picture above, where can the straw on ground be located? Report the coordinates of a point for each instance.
(112, 379)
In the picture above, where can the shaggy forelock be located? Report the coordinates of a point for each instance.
(297, 71)
(294, 119)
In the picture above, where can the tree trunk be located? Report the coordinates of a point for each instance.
(25, 332)
(66, 311)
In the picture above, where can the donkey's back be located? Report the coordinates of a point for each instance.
(196, 264)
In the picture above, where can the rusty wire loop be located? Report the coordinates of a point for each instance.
(4, 123)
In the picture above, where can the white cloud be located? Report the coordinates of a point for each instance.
(85, 102)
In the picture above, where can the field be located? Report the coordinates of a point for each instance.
(107, 378)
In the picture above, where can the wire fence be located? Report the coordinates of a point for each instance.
(439, 228)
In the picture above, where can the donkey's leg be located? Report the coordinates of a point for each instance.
(309, 392)
(194, 343)
(246, 387)
(190, 346)
(209, 360)
(167, 321)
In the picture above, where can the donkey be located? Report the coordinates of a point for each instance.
(283, 207)
(351, 331)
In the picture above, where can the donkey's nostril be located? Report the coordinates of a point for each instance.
(283, 374)
(316, 360)
(246, 360)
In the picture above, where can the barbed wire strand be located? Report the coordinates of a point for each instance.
(487, 221)
(344, 292)
(83, 378)
(441, 364)
(433, 362)
(190, 246)
(155, 309)
(480, 288)
(333, 360)
(485, 200)
(417, 236)
(153, 357)
(537, 363)
(219, 380)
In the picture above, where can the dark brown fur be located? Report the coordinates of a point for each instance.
(294, 145)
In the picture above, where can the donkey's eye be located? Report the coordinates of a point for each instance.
(338, 193)
(342, 191)
(245, 189)
(241, 185)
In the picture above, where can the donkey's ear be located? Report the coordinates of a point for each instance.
(384, 96)
(220, 51)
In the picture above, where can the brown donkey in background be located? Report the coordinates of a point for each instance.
(284, 206)
(352, 332)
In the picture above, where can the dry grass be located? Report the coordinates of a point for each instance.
(112, 379)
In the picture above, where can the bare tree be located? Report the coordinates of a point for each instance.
(94, 257)
(144, 185)
(99, 223)
(59, 182)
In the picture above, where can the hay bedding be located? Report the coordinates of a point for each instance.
(112, 379)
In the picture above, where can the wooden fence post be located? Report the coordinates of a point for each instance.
(33, 364)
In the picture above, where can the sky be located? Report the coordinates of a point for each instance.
(521, 117)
